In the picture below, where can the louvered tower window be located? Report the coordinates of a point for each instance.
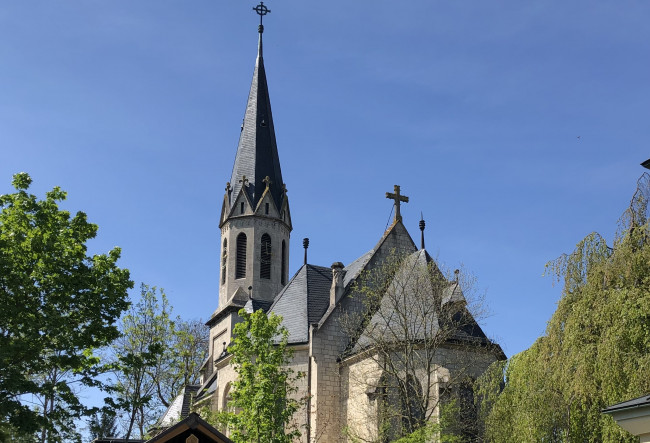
(265, 257)
(283, 268)
(240, 264)
(224, 260)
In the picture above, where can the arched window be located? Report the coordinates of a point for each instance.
(283, 268)
(227, 398)
(240, 265)
(412, 408)
(224, 260)
(400, 410)
(265, 257)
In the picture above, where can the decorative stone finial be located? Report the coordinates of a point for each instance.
(422, 225)
(228, 187)
(268, 181)
(244, 180)
(305, 244)
(398, 199)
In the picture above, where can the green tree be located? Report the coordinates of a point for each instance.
(59, 304)
(186, 351)
(138, 352)
(596, 350)
(262, 397)
(155, 357)
(102, 425)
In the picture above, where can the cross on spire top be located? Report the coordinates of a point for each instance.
(398, 199)
(261, 10)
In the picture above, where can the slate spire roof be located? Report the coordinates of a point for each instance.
(257, 152)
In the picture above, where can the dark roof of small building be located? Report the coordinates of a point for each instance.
(639, 402)
(192, 425)
(117, 440)
(257, 153)
(303, 301)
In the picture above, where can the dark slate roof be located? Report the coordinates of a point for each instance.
(629, 404)
(303, 301)
(407, 283)
(353, 270)
(254, 305)
(257, 152)
(239, 300)
(179, 408)
(208, 387)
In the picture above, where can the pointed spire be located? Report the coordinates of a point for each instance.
(257, 152)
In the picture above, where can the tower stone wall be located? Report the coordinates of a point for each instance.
(254, 227)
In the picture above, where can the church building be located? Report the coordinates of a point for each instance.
(347, 385)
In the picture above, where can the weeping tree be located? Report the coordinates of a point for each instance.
(596, 349)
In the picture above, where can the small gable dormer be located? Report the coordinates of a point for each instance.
(266, 206)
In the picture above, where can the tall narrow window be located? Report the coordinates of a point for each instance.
(266, 209)
(224, 260)
(283, 268)
(241, 208)
(265, 257)
(240, 265)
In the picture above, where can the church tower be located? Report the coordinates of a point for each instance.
(255, 220)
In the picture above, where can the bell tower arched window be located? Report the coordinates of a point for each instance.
(224, 260)
(265, 257)
(283, 268)
(240, 263)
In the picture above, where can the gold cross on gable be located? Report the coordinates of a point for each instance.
(244, 180)
(398, 199)
(268, 181)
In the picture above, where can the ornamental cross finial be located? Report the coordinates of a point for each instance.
(261, 10)
(398, 199)
(228, 187)
(268, 181)
(244, 180)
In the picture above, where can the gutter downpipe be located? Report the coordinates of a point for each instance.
(311, 360)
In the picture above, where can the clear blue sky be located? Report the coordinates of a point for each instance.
(516, 128)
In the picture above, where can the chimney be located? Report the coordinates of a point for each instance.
(336, 291)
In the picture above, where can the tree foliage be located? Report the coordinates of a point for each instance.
(155, 357)
(58, 305)
(262, 404)
(102, 425)
(596, 350)
(411, 323)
